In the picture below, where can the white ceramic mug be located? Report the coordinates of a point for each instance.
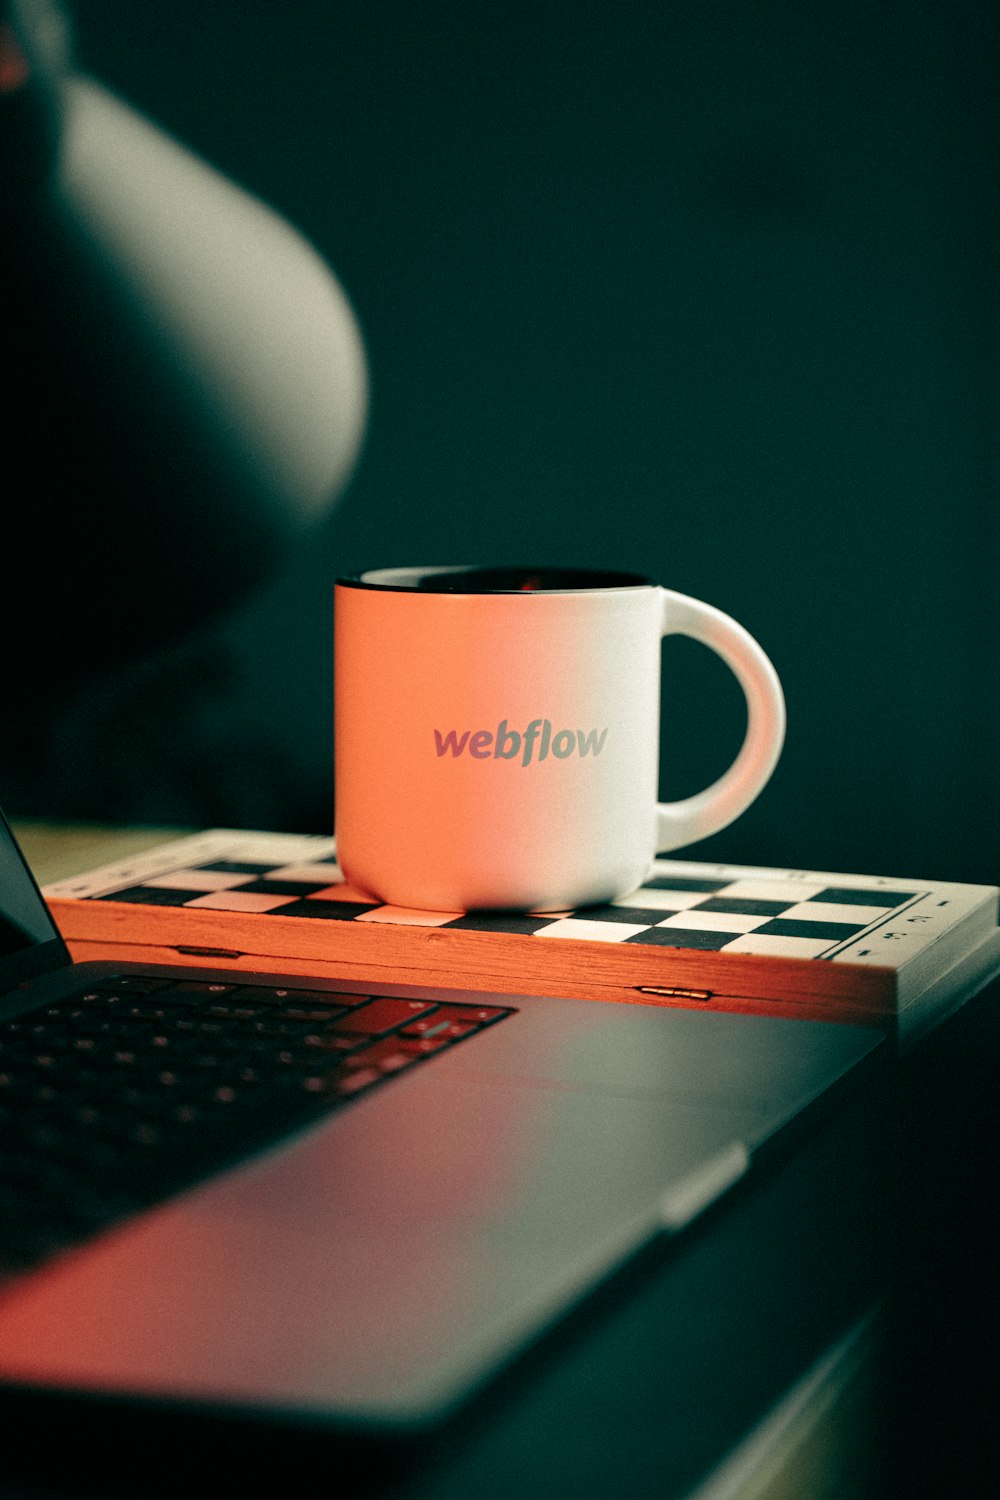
(497, 734)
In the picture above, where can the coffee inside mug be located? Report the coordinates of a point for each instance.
(503, 580)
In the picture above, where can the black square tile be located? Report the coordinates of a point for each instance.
(238, 866)
(682, 883)
(497, 921)
(683, 937)
(840, 895)
(633, 914)
(749, 906)
(301, 888)
(834, 931)
(152, 895)
(333, 911)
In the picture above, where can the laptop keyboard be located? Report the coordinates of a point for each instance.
(113, 1099)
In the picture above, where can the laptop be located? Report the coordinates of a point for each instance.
(350, 1203)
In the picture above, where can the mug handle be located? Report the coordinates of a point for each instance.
(694, 818)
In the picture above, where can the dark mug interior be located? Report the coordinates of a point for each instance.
(495, 580)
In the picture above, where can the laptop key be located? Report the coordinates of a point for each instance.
(476, 1015)
(332, 999)
(281, 996)
(233, 1012)
(440, 1024)
(424, 1046)
(331, 1043)
(310, 1016)
(353, 1083)
(278, 1029)
(380, 1016)
(388, 1054)
(136, 984)
(200, 989)
(243, 1003)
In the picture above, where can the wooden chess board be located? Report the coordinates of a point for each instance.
(736, 937)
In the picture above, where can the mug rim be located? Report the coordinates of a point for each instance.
(570, 580)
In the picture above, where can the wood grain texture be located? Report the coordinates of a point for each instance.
(511, 963)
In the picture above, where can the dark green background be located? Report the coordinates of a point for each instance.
(704, 290)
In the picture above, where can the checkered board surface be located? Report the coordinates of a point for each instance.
(782, 914)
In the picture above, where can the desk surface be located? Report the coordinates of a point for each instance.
(748, 1366)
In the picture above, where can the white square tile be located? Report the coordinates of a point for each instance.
(306, 873)
(408, 916)
(779, 947)
(663, 900)
(834, 911)
(715, 921)
(248, 901)
(771, 890)
(601, 932)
